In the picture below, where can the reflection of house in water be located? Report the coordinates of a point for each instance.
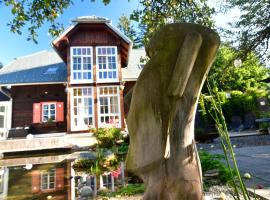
(46, 181)
(50, 177)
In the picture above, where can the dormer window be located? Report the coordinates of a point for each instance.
(81, 65)
(107, 70)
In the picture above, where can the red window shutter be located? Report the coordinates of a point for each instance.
(36, 112)
(35, 176)
(60, 178)
(59, 111)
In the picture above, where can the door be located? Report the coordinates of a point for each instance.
(5, 119)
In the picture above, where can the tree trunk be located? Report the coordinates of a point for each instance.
(161, 117)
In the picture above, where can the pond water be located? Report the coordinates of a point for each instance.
(43, 177)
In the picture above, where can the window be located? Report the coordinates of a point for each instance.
(81, 108)
(2, 116)
(81, 64)
(48, 112)
(107, 70)
(108, 107)
(107, 180)
(48, 180)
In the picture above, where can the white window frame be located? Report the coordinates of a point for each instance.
(100, 124)
(76, 81)
(102, 80)
(48, 177)
(80, 128)
(49, 111)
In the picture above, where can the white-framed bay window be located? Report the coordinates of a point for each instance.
(82, 108)
(81, 64)
(106, 60)
(109, 106)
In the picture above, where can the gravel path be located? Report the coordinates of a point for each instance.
(214, 193)
(237, 142)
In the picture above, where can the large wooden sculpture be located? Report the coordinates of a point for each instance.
(162, 110)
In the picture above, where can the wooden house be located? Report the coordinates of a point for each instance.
(79, 85)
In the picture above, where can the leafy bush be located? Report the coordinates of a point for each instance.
(107, 137)
(214, 161)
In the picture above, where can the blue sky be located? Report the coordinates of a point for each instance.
(13, 45)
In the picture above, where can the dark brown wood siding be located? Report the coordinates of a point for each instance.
(25, 96)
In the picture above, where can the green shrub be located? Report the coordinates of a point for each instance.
(107, 137)
(214, 161)
(131, 189)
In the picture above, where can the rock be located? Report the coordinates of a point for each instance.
(259, 186)
(211, 173)
(86, 191)
(222, 196)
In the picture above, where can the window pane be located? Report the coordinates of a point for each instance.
(109, 51)
(2, 108)
(110, 74)
(1, 121)
(52, 117)
(114, 74)
(84, 51)
(79, 76)
(88, 51)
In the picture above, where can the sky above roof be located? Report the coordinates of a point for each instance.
(13, 45)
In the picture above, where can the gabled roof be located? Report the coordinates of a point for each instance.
(40, 67)
(63, 41)
(93, 20)
(135, 65)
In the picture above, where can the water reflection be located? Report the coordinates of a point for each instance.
(43, 177)
(37, 181)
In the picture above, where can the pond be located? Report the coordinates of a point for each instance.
(46, 176)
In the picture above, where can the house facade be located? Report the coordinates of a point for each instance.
(79, 85)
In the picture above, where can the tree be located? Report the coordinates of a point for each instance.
(126, 26)
(230, 75)
(1, 65)
(253, 26)
(33, 14)
(152, 14)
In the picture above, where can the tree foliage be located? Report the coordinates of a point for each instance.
(229, 76)
(33, 14)
(152, 14)
(125, 25)
(253, 26)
